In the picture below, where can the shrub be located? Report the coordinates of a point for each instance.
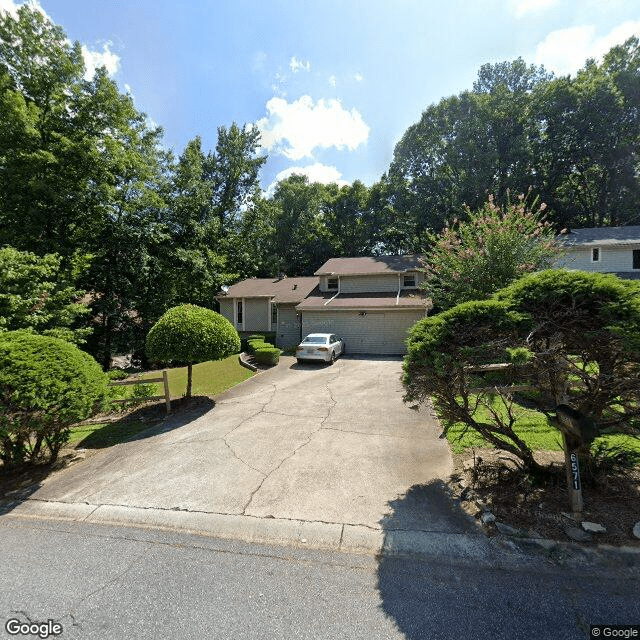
(46, 385)
(254, 345)
(192, 334)
(256, 337)
(268, 355)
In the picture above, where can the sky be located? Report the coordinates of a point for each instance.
(331, 84)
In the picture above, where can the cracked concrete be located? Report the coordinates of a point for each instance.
(330, 445)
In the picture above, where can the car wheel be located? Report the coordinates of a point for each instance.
(333, 357)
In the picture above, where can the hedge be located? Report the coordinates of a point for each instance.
(268, 355)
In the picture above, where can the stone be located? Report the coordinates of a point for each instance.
(636, 530)
(487, 517)
(578, 534)
(593, 527)
(508, 530)
(469, 464)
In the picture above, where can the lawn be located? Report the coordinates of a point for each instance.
(532, 427)
(209, 378)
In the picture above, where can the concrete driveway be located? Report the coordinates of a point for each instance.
(330, 445)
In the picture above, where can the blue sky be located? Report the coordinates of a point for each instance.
(332, 84)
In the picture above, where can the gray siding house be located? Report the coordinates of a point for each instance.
(370, 302)
(603, 249)
(266, 305)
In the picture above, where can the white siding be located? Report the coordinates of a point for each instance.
(256, 314)
(288, 330)
(612, 259)
(367, 284)
(373, 332)
(226, 308)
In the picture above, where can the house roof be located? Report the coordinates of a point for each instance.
(601, 236)
(318, 300)
(369, 265)
(282, 290)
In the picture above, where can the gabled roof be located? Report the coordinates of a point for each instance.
(369, 265)
(602, 236)
(383, 300)
(282, 290)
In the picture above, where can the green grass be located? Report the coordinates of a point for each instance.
(101, 435)
(532, 427)
(209, 378)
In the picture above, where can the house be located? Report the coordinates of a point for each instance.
(370, 302)
(267, 305)
(604, 249)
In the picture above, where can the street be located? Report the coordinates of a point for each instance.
(117, 582)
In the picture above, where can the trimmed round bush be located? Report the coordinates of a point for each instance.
(191, 334)
(256, 337)
(268, 355)
(46, 385)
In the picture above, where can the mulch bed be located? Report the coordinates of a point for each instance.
(537, 507)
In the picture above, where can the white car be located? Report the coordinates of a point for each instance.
(320, 346)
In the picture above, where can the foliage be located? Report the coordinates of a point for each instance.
(268, 355)
(472, 259)
(191, 334)
(256, 344)
(35, 294)
(46, 384)
(571, 336)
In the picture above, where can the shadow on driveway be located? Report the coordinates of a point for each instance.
(17, 485)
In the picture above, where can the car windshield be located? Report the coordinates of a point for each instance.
(315, 340)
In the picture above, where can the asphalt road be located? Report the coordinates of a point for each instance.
(110, 582)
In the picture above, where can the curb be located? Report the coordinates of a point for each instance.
(245, 364)
(451, 548)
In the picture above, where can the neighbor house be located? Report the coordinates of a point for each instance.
(370, 302)
(604, 249)
(267, 305)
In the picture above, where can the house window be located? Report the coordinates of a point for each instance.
(239, 312)
(595, 254)
(274, 313)
(332, 284)
(636, 258)
(409, 281)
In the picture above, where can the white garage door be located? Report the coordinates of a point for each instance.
(364, 332)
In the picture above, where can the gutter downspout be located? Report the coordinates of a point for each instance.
(334, 297)
(399, 288)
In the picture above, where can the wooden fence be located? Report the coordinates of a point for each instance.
(165, 380)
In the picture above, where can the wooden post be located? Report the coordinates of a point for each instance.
(574, 486)
(165, 380)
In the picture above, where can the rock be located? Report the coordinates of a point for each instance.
(578, 534)
(508, 530)
(569, 515)
(636, 530)
(487, 517)
(469, 464)
(593, 527)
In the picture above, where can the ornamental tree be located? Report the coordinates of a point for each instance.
(563, 337)
(190, 334)
(472, 259)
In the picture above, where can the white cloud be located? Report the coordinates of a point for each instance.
(332, 81)
(523, 7)
(95, 59)
(358, 77)
(299, 65)
(12, 7)
(296, 128)
(317, 172)
(565, 51)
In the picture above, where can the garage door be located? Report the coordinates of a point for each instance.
(364, 332)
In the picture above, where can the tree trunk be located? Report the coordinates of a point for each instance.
(189, 376)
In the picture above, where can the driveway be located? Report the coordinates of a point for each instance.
(304, 443)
